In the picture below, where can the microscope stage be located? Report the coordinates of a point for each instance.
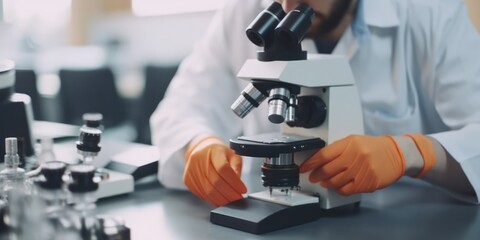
(273, 144)
(294, 198)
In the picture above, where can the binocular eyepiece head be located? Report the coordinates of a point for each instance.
(275, 30)
(280, 35)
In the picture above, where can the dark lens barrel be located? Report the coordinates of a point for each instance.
(261, 30)
(82, 179)
(280, 176)
(294, 26)
(89, 140)
(53, 173)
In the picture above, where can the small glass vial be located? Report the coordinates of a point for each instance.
(88, 144)
(50, 187)
(13, 177)
(93, 120)
(46, 151)
(109, 228)
(83, 186)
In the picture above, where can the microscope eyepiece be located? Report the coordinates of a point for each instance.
(261, 30)
(292, 29)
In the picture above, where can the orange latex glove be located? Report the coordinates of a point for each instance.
(213, 172)
(356, 164)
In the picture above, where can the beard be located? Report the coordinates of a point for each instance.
(323, 26)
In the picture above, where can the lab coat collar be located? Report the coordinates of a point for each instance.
(348, 44)
(380, 13)
(375, 13)
(359, 27)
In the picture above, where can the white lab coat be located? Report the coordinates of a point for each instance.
(418, 71)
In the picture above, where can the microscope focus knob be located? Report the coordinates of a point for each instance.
(311, 112)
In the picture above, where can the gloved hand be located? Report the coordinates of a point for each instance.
(213, 171)
(356, 164)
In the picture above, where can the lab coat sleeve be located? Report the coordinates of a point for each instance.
(457, 91)
(197, 102)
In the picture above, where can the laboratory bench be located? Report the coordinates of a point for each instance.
(408, 209)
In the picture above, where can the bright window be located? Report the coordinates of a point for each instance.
(38, 24)
(165, 7)
(46, 11)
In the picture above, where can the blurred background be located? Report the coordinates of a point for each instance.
(116, 57)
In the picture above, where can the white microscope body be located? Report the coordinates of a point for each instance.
(315, 99)
(330, 78)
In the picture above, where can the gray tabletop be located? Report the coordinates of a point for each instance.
(406, 210)
(409, 209)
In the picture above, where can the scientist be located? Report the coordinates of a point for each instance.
(416, 65)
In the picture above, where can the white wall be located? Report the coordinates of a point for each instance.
(164, 39)
(5, 39)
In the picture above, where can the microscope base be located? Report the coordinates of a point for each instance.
(257, 216)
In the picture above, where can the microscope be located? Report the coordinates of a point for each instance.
(315, 99)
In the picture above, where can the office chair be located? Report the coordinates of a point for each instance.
(26, 82)
(157, 79)
(91, 90)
